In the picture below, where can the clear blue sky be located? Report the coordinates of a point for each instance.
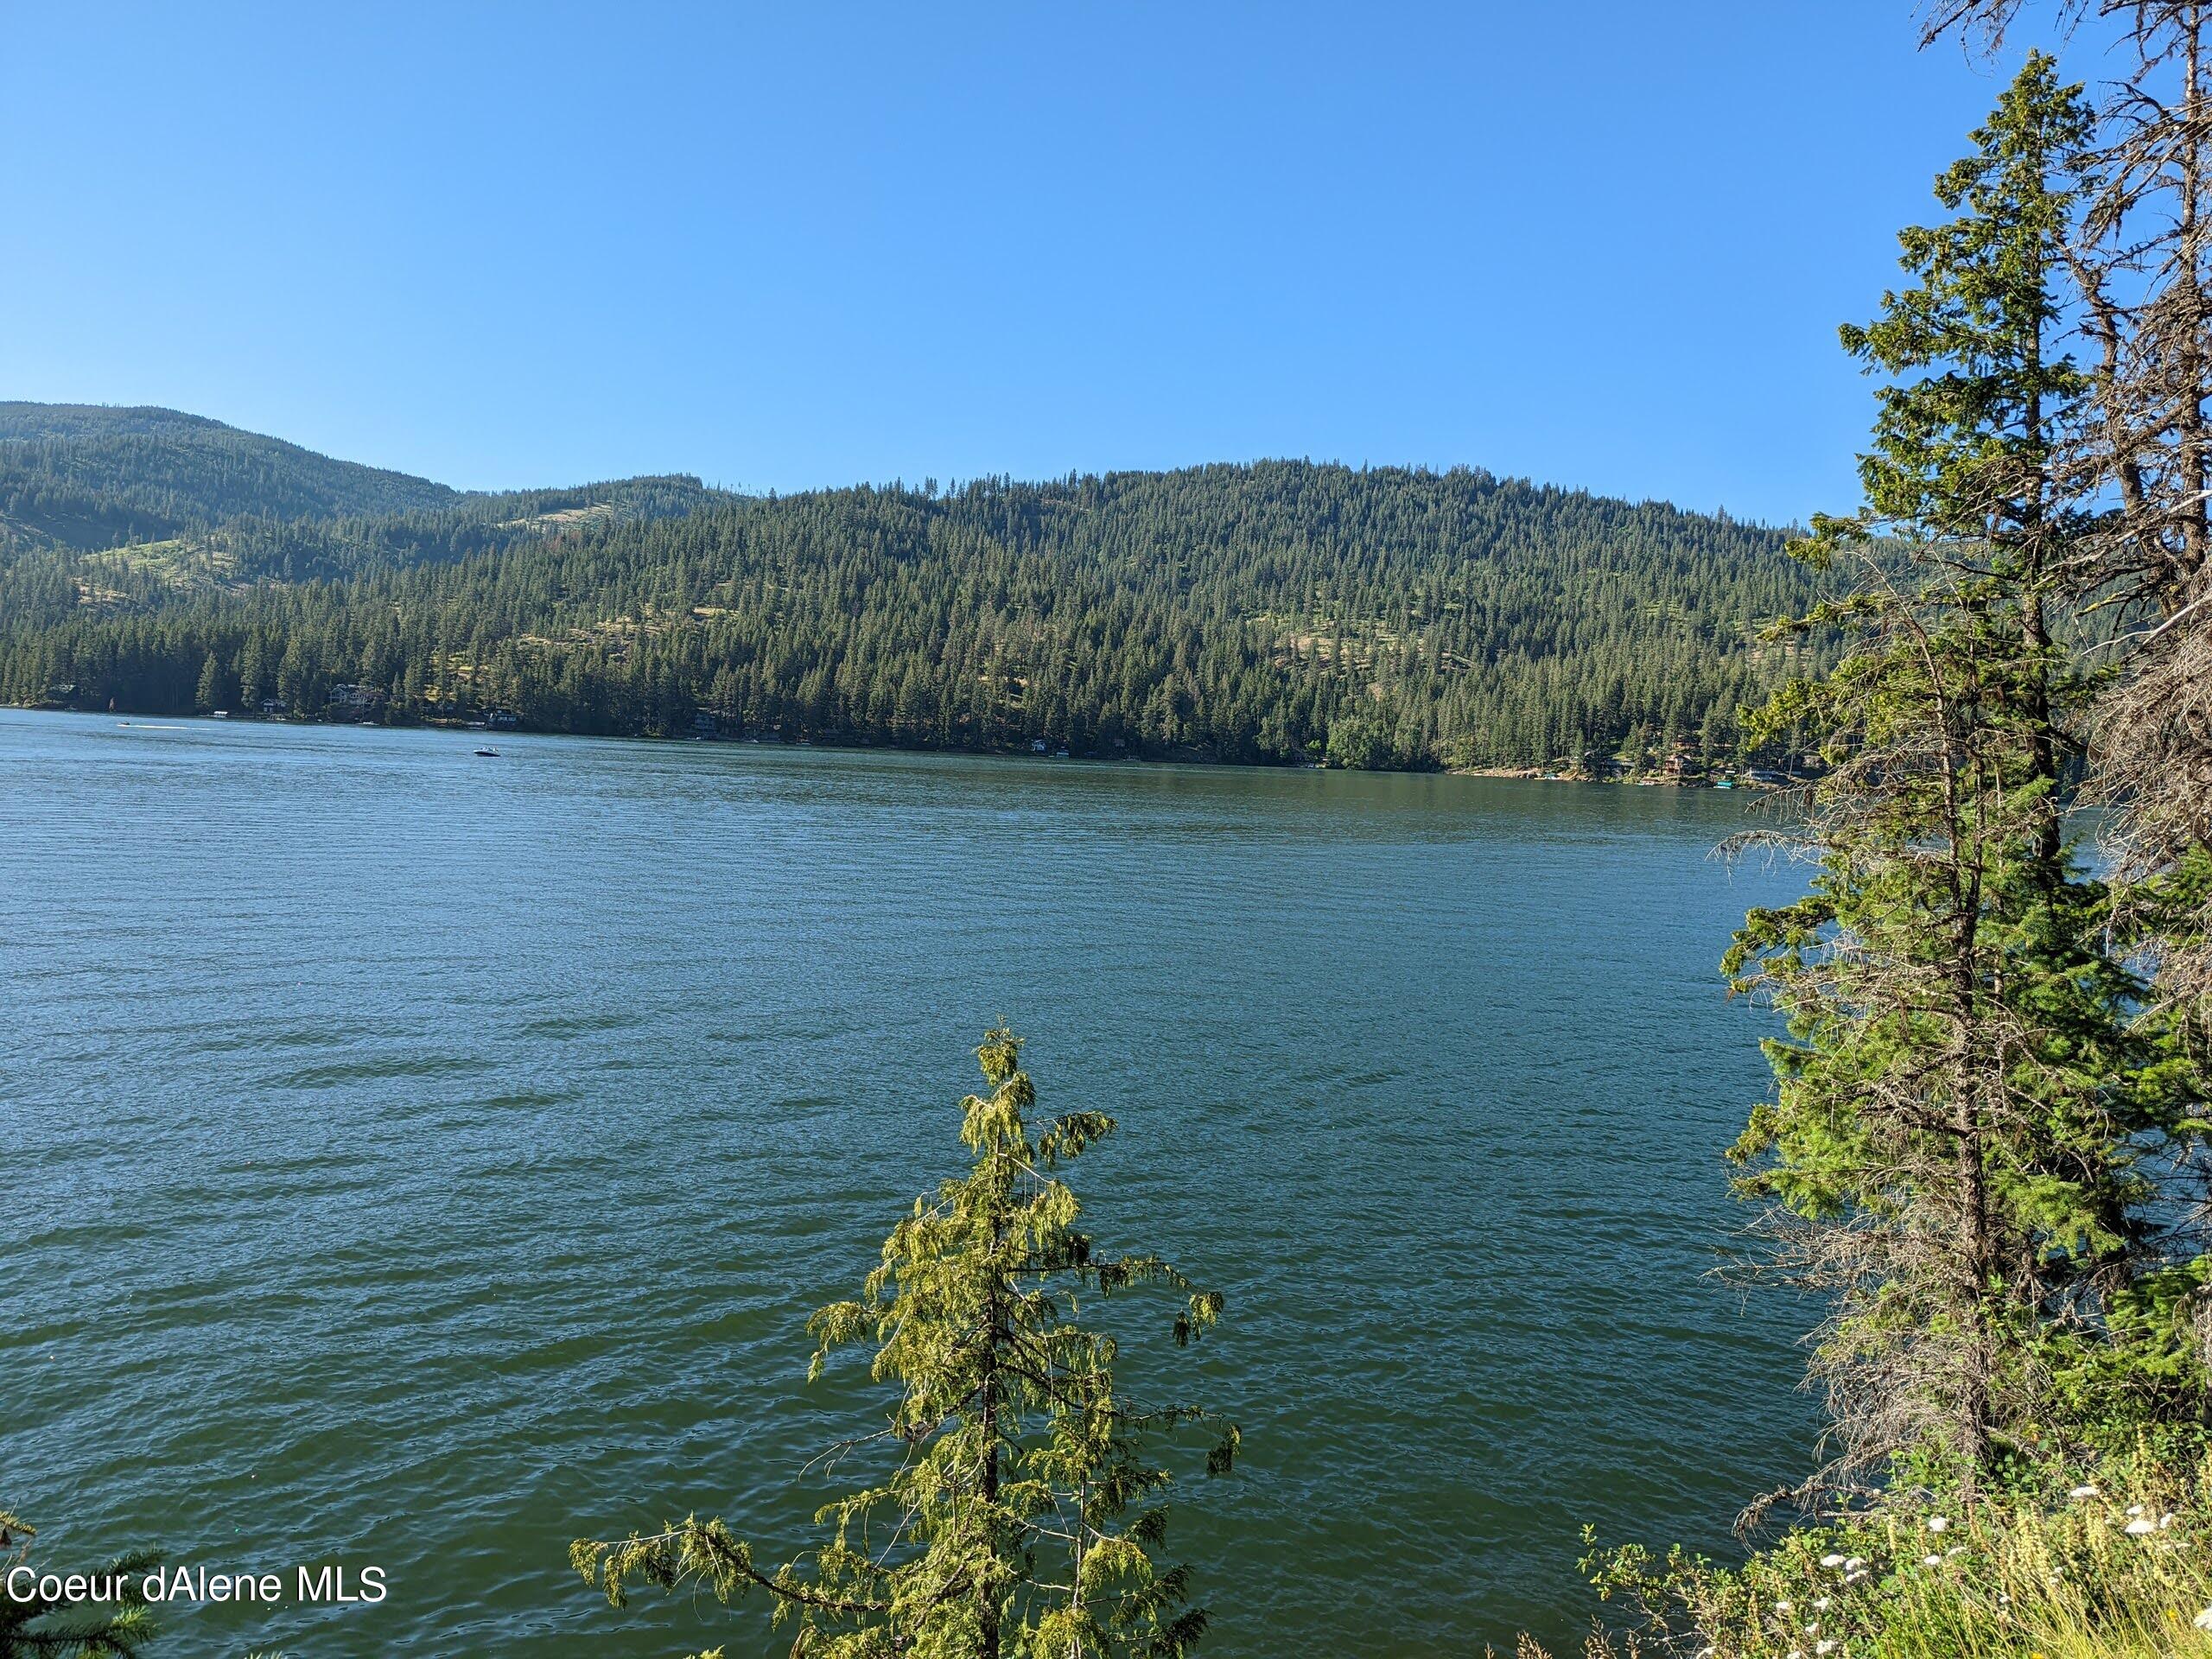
(1603, 243)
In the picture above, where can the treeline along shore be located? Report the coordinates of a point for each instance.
(1282, 613)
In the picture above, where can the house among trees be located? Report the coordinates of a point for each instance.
(354, 702)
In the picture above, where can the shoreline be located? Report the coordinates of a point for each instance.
(1128, 757)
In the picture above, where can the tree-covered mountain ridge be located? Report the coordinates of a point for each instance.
(87, 476)
(1277, 611)
(92, 477)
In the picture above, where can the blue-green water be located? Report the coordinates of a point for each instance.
(417, 1160)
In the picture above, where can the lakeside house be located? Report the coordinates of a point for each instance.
(353, 702)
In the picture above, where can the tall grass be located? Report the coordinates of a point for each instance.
(2117, 1568)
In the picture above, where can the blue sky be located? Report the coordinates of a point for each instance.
(1598, 244)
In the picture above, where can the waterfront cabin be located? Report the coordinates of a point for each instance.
(353, 702)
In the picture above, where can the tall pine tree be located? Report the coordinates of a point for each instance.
(1965, 1145)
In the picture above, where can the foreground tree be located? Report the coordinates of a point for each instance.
(1965, 1147)
(2142, 270)
(1023, 1515)
(1988, 1142)
(34, 1624)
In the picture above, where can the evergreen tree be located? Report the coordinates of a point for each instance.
(1023, 1515)
(2142, 273)
(1240, 613)
(1966, 1141)
(34, 1624)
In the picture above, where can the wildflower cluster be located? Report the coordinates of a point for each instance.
(2065, 1575)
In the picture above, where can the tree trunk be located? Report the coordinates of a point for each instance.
(2196, 452)
(986, 1596)
(1973, 1265)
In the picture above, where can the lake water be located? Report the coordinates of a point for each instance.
(419, 1160)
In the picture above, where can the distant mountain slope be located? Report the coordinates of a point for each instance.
(145, 505)
(259, 549)
(1273, 611)
(87, 476)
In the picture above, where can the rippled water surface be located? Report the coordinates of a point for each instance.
(418, 1160)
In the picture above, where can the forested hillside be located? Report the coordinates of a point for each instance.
(1268, 613)
(85, 476)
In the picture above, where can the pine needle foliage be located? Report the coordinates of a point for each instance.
(2140, 273)
(37, 1625)
(1388, 618)
(1967, 1146)
(1024, 1514)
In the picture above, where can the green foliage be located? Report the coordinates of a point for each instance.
(1988, 1137)
(81, 475)
(1971, 1141)
(39, 1626)
(2063, 1566)
(1019, 1512)
(1277, 613)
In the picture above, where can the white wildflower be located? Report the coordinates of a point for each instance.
(1830, 1560)
(1855, 1578)
(2204, 1620)
(1823, 1647)
(1938, 1523)
(2083, 1491)
(1931, 1560)
(1781, 1606)
(1855, 1564)
(1954, 1550)
(2164, 1521)
(2141, 1526)
(2135, 1509)
(1821, 1604)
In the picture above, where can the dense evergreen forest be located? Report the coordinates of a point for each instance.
(1273, 613)
(89, 477)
